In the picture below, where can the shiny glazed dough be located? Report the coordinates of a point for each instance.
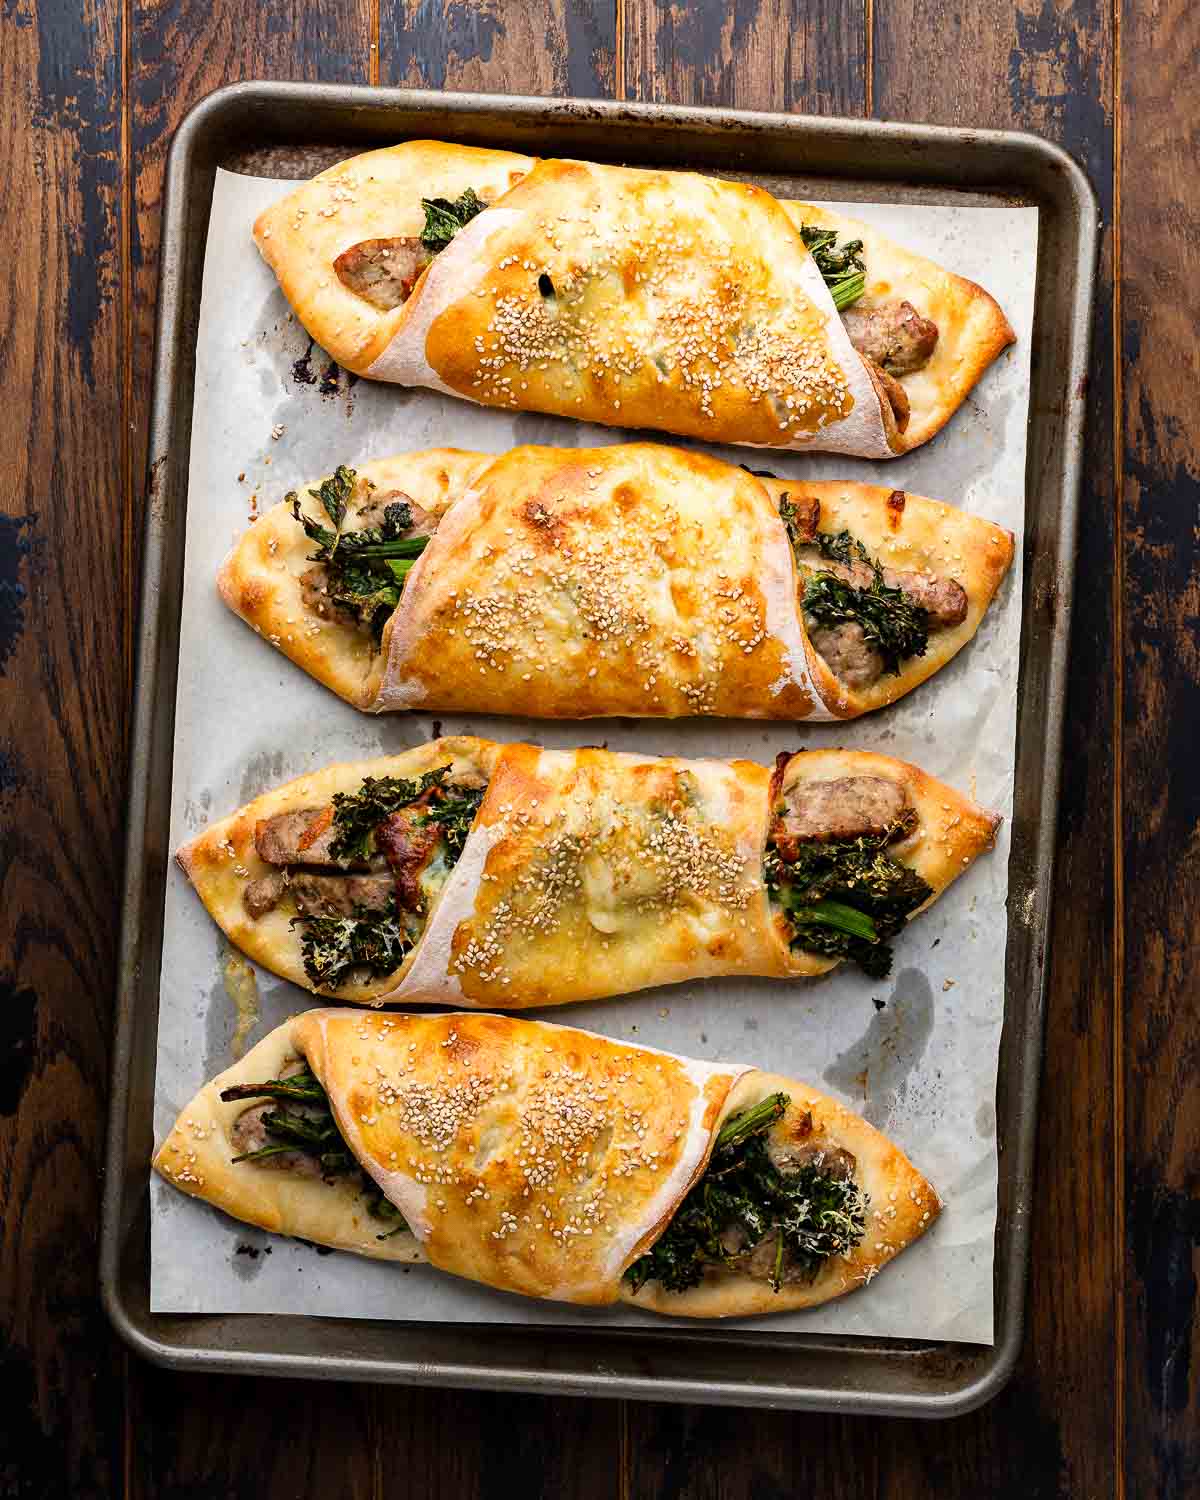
(634, 579)
(625, 296)
(587, 873)
(534, 1158)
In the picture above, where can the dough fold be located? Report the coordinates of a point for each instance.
(533, 1158)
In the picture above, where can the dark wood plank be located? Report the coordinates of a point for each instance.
(548, 47)
(451, 1445)
(200, 1436)
(178, 53)
(187, 1436)
(62, 731)
(1160, 595)
(806, 55)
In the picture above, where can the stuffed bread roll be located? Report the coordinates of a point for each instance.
(636, 298)
(636, 579)
(551, 1162)
(463, 872)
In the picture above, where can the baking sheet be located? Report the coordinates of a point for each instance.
(916, 1054)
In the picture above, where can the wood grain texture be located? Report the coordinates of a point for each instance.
(807, 55)
(1160, 723)
(62, 733)
(1049, 69)
(1105, 1398)
(547, 47)
(179, 51)
(200, 1436)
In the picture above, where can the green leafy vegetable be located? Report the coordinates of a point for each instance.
(365, 570)
(454, 814)
(753, 1121)
(790, 516)
(743, 1199)
(333, 947)
(315, 1133)
(839, 916)
(843, 269)
(444, 217)
(846, 897)
(356, 815)
(890, 620)
(301, 1087)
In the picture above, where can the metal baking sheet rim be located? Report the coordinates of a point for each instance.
(845, 1375)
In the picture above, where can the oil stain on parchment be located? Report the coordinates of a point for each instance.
(876, 1068)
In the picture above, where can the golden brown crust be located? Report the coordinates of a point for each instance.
(533, 1158)
(608, 873)
(902, 1207)
(542, 593)
(611, 241)
(373, 196)
(587, 873)
(625, 227)
(972, 329)
(632, 579)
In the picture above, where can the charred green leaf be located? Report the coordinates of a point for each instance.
(890, 621)
(365, 570)
(744, 1199)
(334, 947)
(356, 815)
(313, 1132)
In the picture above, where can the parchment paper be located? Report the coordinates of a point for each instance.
(916, 1054)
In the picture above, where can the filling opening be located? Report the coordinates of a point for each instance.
(773, 1205)
(363, 558)
(292, 1128)
(363, 871)
(864, 620)
(832, 882)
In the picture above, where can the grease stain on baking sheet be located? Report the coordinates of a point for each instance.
(196, 811)
(233, 1009)
(874, 1071)
(241, 986)
(261, 772)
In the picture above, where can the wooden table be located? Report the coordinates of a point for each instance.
(1105, 1398)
